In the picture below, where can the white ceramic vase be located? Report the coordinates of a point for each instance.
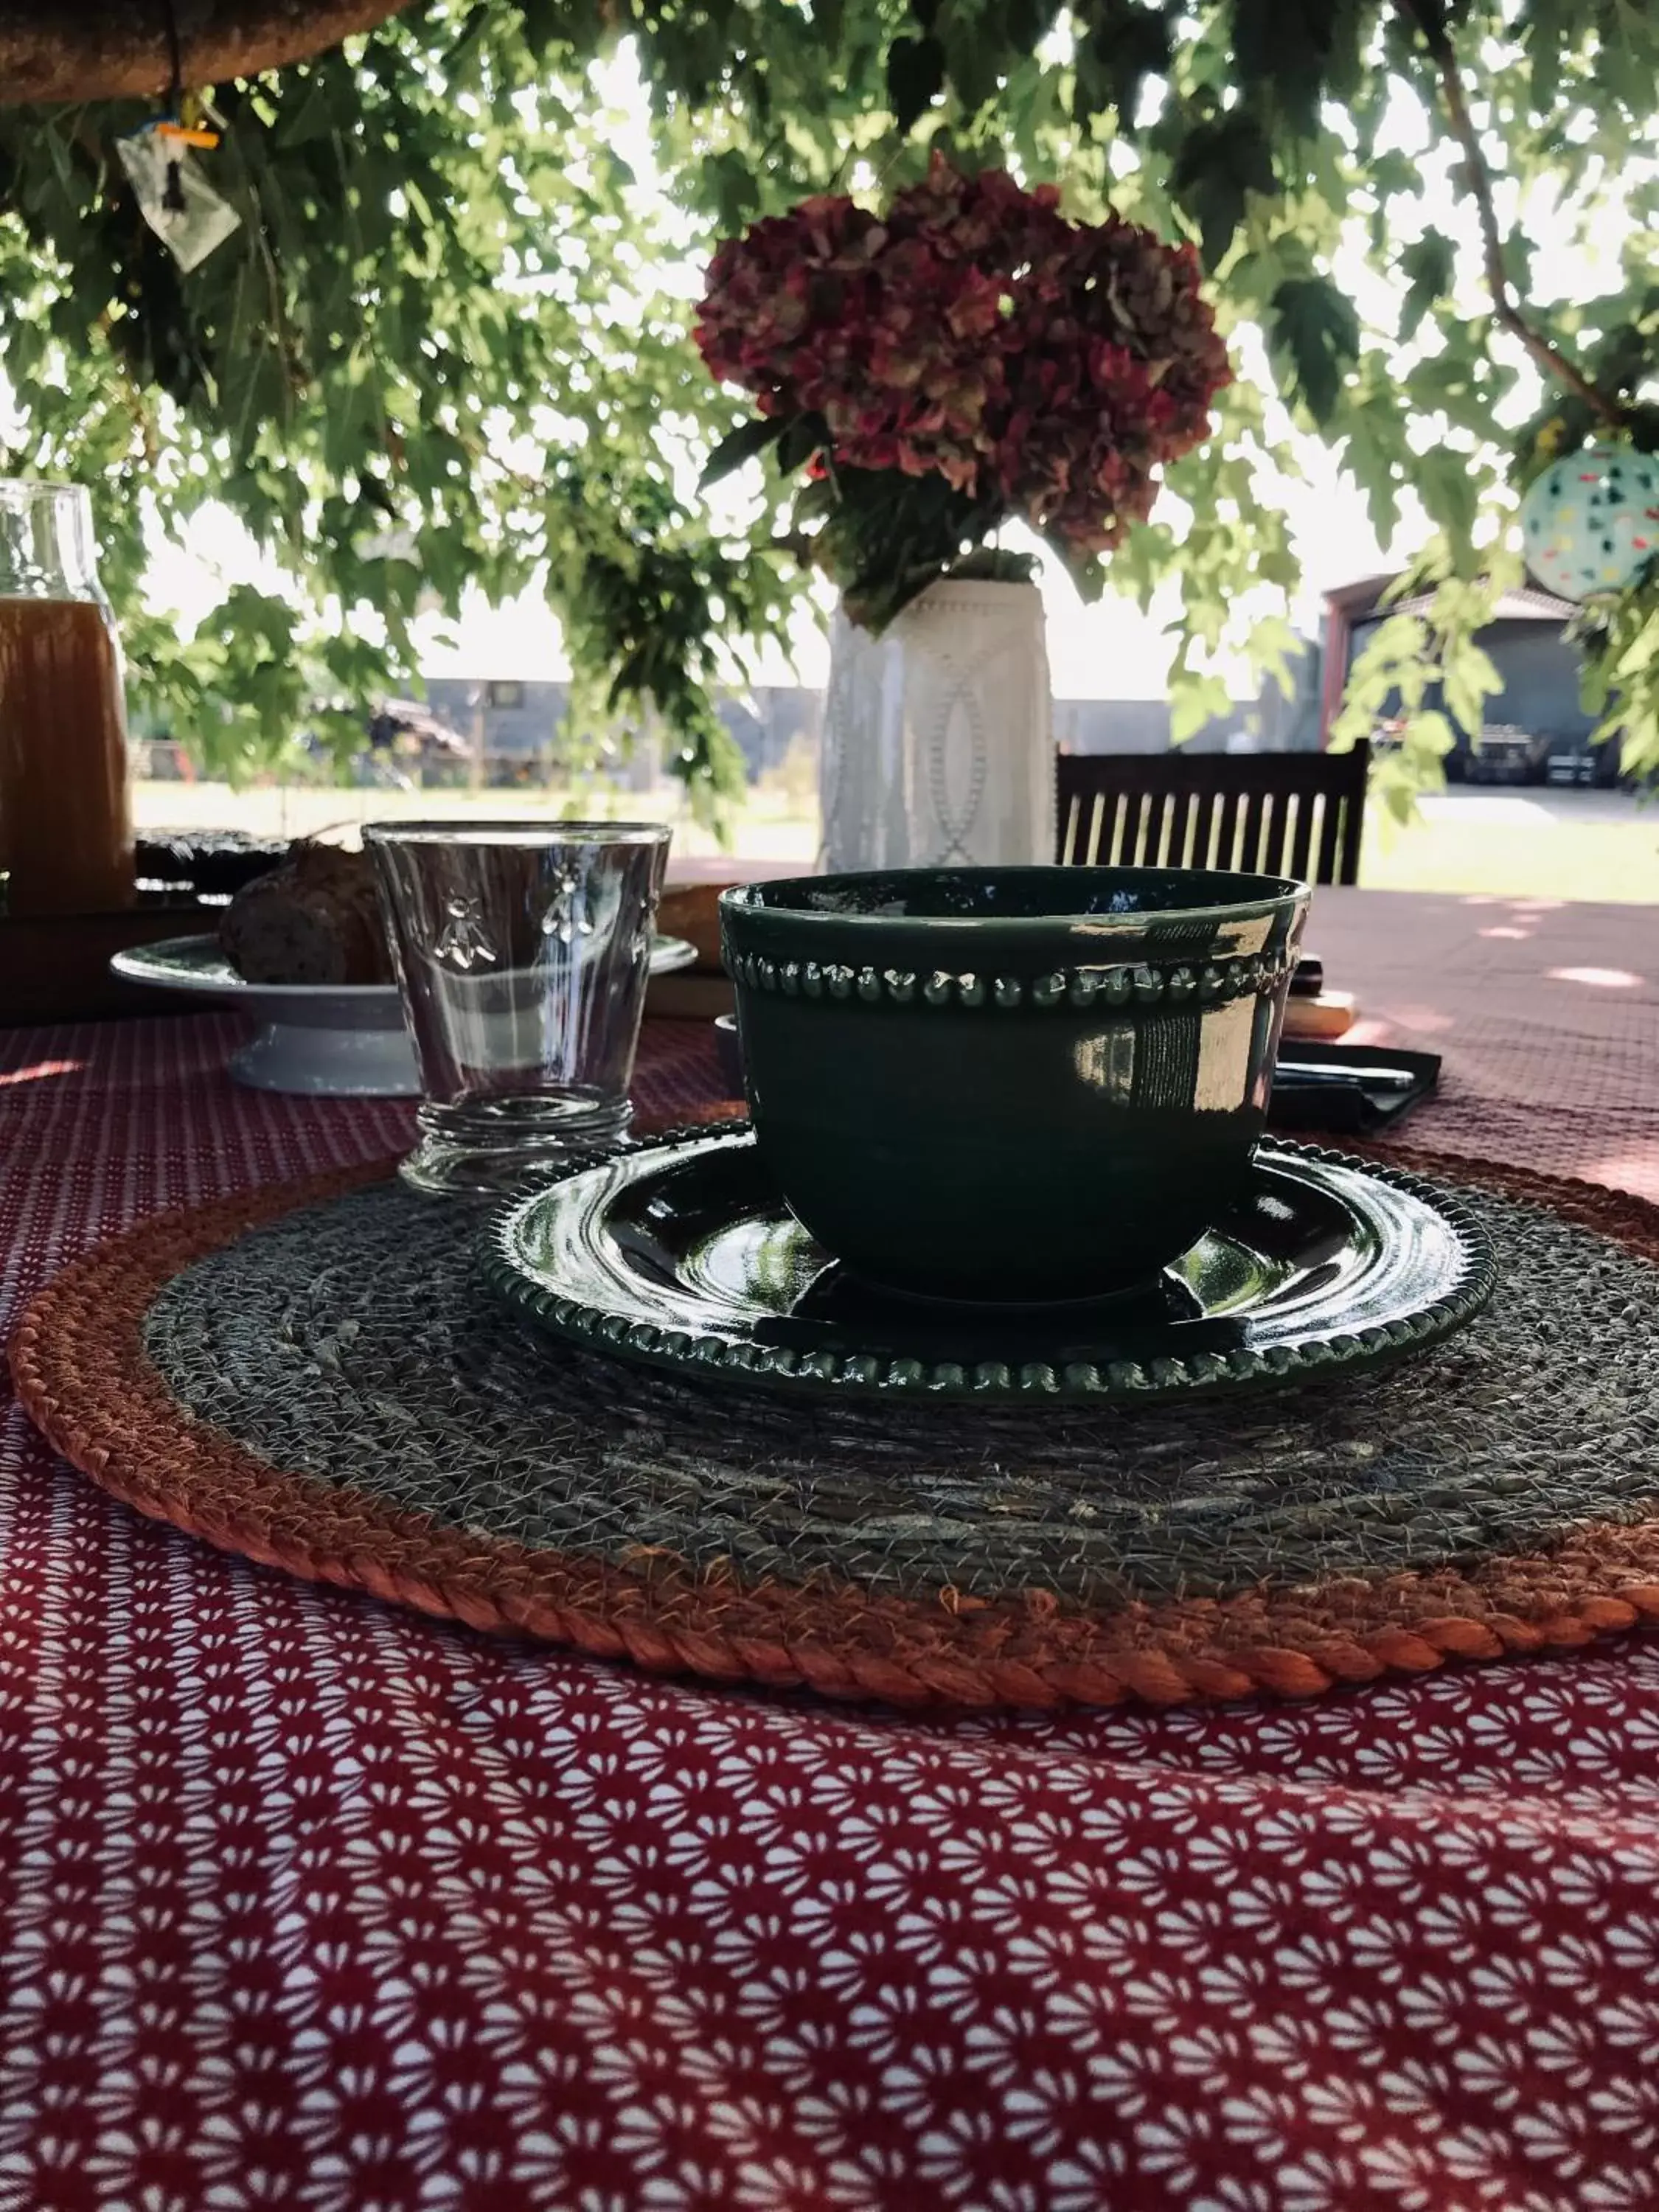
(938, 747)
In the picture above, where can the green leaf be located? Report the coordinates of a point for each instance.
(978, 48)
(1317, 327)
(1429, 731)
(1125, 43)
(1451, 494)
(1195, 700)
(1562, 426)
(803, 437)
(434, 330)
(732, 185)
(1299, 51)
(1394, 175)
(1468, 678)
(1378, 458)
(1429, 264)
(1218, 166)
(1547, 27)
(313, 117)
(1087, 571)
(742, 445)
(915, 78)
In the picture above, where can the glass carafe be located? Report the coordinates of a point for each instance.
(65, 817)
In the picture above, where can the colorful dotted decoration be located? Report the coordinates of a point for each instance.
(1591, 521)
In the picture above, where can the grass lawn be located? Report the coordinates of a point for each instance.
(772, 826)
(1545, 844)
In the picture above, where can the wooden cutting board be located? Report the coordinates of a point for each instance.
(1331, 1014)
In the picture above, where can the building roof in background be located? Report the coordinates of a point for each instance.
(1527, 604)
(1359, 600)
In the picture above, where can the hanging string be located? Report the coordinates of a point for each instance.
(174, 195)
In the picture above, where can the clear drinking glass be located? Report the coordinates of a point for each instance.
(523, 950)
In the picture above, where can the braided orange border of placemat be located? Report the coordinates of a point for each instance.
(82, 1374)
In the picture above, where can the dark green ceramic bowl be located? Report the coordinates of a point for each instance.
(1011, 1083)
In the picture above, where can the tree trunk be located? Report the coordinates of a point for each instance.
(116, 49)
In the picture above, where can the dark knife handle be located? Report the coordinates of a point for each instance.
(1308, 980)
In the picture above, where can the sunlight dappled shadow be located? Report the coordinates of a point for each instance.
(1636, 1170)
(1397, 1025)
(1596, 979)
(39, 1071)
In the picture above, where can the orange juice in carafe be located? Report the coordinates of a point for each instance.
(65, 824)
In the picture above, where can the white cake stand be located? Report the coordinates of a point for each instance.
(330, 1041)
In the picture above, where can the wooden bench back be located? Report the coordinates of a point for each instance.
(1274, 814)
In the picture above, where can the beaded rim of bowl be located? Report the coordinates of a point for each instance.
(759, 905)
(1130, 986)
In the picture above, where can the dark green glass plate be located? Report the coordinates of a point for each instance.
(679, 1252)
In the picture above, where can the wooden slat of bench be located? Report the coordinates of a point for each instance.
(1297, 814)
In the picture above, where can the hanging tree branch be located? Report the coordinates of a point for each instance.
(1429, 18)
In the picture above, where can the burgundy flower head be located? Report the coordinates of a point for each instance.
(975, 334)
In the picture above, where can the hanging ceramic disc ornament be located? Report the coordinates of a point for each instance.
(1591, 521)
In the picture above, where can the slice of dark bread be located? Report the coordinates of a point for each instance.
(315, 919)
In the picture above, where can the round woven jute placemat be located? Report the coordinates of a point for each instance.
(316, 1376)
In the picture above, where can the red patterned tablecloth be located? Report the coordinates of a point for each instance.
(308, 1903)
